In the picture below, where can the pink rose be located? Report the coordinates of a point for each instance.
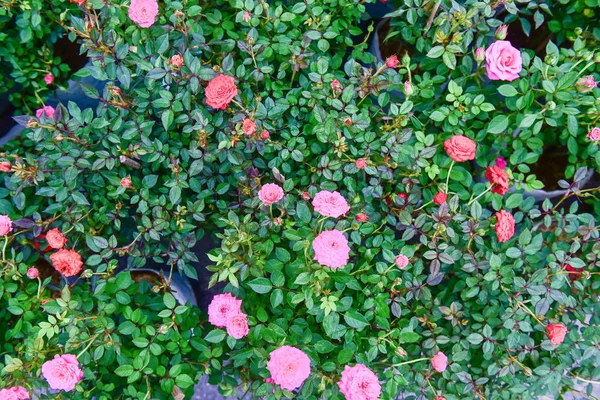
(220, 91)
(586, 83)
(48, 79)
(289, 367)
(32, 273)
(401, 261)
(439, 362)
(500, 162)
(67, 262)
(503, 61)
(505, 227)
(498, 178)
(14, 393)
(440, 198)
(556, 333)
(177, 60)
(143, 12)
(331, 249)
(330, 204)
(359, 383)
(5, 166)
(392, 62)
(237, 326)
(460, 148)
(362, 217)
(594, 134)
(48, 111)
(5, 225)
(480, 54)
(361, 163)
(247, 16)
(249, 127)
(126, 182)
(222, 307)
(335, 84)
(62, 372)
(264, 135)
(56, 239)
(270, 193)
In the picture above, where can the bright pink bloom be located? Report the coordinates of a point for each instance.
(289, 367)
(505, 227)
(5, 225)
(247, 16)
(335, 84)
(401, 261)
(501, 32)
(48, 111)
(143, 12)
(222, 307)
(14, 393)
(5, 166)
(586, 83)
(67, 262)
(62, 372)
(439, 362)
(408, 88)
(362, 217)
(503, 61)
(126, 182)
(237, 326)
(498, 178)
(264, 135)
(220, 91)
(460, 148)
(480, 54)
(359, 383)
(361, 163)
(32, 273)
(440, 198)
(249, 127)
(56, 239)
(330, 204)
(270, 193)
(331, 249)
(49, 78)
(556, 333)
(392, 62)
(177, 60)
(500, 162)
(594, 134)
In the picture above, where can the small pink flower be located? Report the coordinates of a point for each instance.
(220, 91)
(264, 135)
(408, 88)
(32, 273)
(439, 398)
(126, 182)
(586, 83)
(505, 227)
(289, 367)
(270, 193)
(500, 162)
(49, 78)
(498, 178)
(594, 134)
(247, 16)
(362, 217)
(178, 14)
(5, 225)
(143, 12)
(401, 261)
(331, 249)
(249, 127)
(348, 121)
(335, 84)
(480, 54)
(439, 362)
(440, 198)
(359, 383)
(237, 326)
(503, 61)
(556, 333)
(330, 204)
(14, 393)
(177, 60)
(361, 163)
(67, 262)
(392, 62)
(501, 32)
(460, 148)
(221, 308)
(62, 372)
(305, 196)
(5, 166)
(56, 239)
(48, 111)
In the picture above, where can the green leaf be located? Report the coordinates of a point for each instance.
(409, 337)
(449, 59)
(215, 336)
(124, 370)
(303, 212)
(167, 119)
(355, 320)
(260, 285)
(324, 346)
(499, 124)
(169, 300)
(435, 52)
(507, 91)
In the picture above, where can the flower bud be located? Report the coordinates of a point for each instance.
(32, 123)
(361, 163)
(406, 59)
(163, 329)
(408, 88)
(480, 54)
(501, 32)
(278, 221)
(550, 59)
(392, 62)
(86, 274)
(264, 135)
(578, 31)
(362, 217)
(32, 273)
(551, 105)
(586, 83)
(305, 196)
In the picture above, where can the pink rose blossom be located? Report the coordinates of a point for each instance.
(56, 239)
(48, 111)
(14, 393)
(305, 196)
(501, 32)
(249, 127)
(330, 204)
(5, 225)
(440, 198)
(594, 134)
(289, 367)
(270, 193)
(505, 227)
(222, 307)
(408, 88)
(586, 83)
(126, 182)
(335, 84)
(49, 78)
(392, 62)
(62, 372)
(331, 249)
(359, 383)
(460, 148)
(480, 54)
(220, 91)
(556, 333)
(362, 217)
(439, 362)
(67, 262)
(5, 166)
(503, 61)
(401, 261)
(264, 135)
(247, 16)
(498, 178)
(500, 162)
(32, 273)
(361, 163)
(143, 12)
(237, 326)
(177, 60)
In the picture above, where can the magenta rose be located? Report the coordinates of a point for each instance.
(503, 61)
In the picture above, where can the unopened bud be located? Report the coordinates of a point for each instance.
(480, 54)
(86, 274)
(501, 32)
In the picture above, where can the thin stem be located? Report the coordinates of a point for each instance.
(448, 177)
(410, 362)
(88, 346)
(4, 248)
(481, 194)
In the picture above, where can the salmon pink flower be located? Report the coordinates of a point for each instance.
(439, 362)
(237, 326)
(48, 111)
(505, 227)
(67, 262)
(126, 182)
(498, 178)
(177, 60)
(220, 91)
(32, 273)
(5, 166)
(56, 239)
(270, 193)
(440, 198)
(264, 135)
(460, 148)
(362, 217)
(556, 333)
(392, 62)
(249, 127)
(361, 163)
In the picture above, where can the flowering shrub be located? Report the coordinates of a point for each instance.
(370, 244)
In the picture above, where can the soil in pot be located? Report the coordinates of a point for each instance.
(392, 46)
(551, 166)
(69, 53)
(536, 41)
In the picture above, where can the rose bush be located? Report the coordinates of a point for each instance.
(370, 245)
